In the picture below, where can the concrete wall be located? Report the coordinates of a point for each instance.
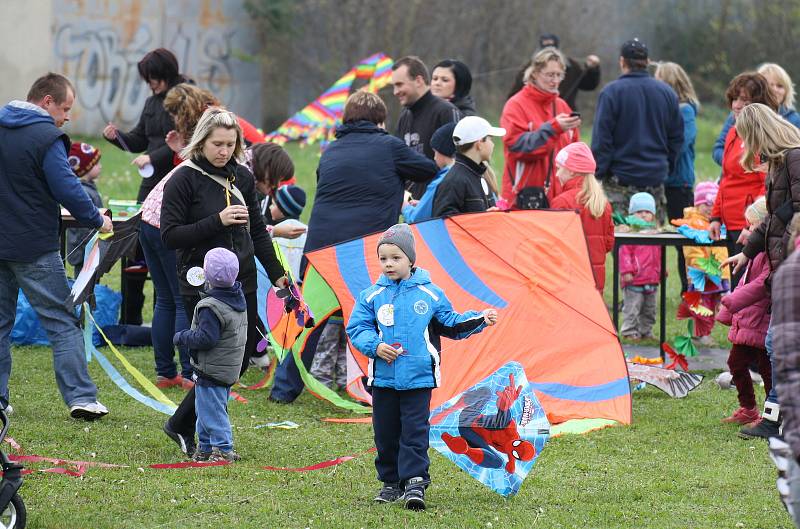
(97, 44)
(26, 41)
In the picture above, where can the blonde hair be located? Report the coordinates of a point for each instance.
(491, 178)
(764, 131)
(675, 76)
(540, 60)
(756, 212)
(212, 119)
(770, 68)
(187, 102)
(592, 195)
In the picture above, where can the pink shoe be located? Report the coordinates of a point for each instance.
(743, 416)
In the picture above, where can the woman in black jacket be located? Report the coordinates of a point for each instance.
(159, 69)
(209, 202)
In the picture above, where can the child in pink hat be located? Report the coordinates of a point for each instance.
(580, 191)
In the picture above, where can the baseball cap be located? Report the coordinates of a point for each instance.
(473, 128)
(634, 49)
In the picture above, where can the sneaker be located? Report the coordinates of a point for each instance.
(414, 497)
(261, 362)
(389, 493)
(88, 412)
(164, 382)
(9, 409)
(761, 429)
(634, 337)
(187, 384)
(186, 443)
(743, 416)
(219, 455)
(201, 457)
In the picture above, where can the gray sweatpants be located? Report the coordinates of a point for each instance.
(639, 311)
(330, 358)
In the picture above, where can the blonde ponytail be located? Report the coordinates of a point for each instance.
(592, 196)
(491, 179)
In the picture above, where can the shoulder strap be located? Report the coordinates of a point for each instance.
(228, 186)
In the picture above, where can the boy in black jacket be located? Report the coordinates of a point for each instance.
(216, 344)
(464, 188)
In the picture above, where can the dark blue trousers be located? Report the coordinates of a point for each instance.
(400, 422)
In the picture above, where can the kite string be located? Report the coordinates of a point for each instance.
(81, 244)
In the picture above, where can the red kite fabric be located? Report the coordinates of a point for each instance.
(533, 267)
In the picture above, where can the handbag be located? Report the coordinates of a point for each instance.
(535, 197)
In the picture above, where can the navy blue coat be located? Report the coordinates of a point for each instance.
(360, 183)
(638, 130)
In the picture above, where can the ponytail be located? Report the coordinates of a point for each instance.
(491, 179)
(592, 196)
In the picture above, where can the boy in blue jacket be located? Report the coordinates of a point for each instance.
(216, 343)
(395, 323)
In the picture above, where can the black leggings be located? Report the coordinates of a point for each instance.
(184, 419)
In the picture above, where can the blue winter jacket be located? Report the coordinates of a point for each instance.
(789, 114)
(638, 130)
(683, 175)
(35, 177)
(424, 208)
(411, 313)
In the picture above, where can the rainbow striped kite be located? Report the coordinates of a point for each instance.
(318, 120)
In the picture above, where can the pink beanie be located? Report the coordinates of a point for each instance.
(577, 157)
(705, 193)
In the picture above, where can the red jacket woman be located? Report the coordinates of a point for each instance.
(737, 188)
(538, 124)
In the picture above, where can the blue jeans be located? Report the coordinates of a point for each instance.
(44, 283)
(169, 315)
(773, 392)
(213, 425)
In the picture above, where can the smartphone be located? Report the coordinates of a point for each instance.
(575, 115)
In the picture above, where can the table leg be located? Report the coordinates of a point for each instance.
(615, 281)
(662, 325)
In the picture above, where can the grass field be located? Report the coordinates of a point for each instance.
(676, 466)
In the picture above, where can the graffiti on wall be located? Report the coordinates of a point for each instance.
(102, 61)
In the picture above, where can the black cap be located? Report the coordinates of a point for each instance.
(549, 37)
(442, 140)
(634, 49)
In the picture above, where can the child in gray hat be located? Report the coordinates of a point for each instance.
(216, 343)
(392, 325)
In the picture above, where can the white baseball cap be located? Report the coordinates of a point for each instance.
(474, 128)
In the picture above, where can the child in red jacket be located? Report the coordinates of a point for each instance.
(581, 191)
(640, 268)
(747, 311)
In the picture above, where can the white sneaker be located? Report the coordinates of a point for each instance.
(261, 362)
(88, 412)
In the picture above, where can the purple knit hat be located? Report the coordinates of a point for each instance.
(221, 267)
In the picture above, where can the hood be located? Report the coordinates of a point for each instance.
(232, 296)
(18, 114)
(464, 104)
(363, 126)
(419, 276)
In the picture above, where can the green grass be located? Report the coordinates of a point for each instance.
(675, 466)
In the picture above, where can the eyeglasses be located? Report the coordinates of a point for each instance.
(553, 76)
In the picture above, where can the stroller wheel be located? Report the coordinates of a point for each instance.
(14, 516)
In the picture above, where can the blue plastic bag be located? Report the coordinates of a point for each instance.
(28, 331)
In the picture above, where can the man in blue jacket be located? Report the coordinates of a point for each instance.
(638, 131)
(35, 177)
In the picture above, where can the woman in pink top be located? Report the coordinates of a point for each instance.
(169, 315)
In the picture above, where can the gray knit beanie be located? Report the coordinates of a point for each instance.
(401, 236)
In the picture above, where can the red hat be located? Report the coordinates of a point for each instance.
(577, 157)
(82, 157)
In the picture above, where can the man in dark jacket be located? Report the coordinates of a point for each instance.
(638, 131)
(423, 113)
(578, 76)
(35, 177)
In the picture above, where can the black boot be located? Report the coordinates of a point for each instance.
(768, 426)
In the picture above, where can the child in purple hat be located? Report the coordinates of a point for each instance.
(216, 343)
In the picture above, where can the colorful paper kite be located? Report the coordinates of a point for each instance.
(318, 120)
(699, 278)
(676, 384)
(533, 266)
(494, 431)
